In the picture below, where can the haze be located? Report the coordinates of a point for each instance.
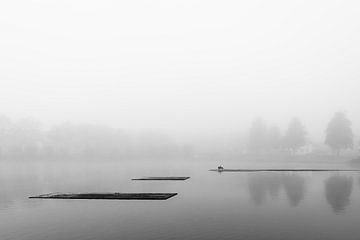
(198, 119)
(181, 67)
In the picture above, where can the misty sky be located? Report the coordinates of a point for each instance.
(180, 66)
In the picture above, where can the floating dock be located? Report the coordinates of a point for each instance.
(286, 170)
(162, 178)
(108, 196)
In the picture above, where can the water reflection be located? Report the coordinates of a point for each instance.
(338, 190)
(269, 184)
(294, 186)
(260, 185)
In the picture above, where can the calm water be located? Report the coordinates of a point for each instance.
(210, 205)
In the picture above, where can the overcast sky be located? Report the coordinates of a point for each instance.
(180, 66)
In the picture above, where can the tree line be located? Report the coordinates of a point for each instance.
(339, 136)
(28, 139)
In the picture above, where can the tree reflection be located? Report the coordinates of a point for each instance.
(257, 188)
(264, 184)
(338, 190)
(294, 186)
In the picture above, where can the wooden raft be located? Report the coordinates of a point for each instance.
(107, 196)
(162, 178)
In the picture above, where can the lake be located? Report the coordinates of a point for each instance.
(209, 205)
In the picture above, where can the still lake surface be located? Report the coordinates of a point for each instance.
(209, 205)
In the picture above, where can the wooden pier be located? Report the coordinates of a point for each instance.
(286, 170)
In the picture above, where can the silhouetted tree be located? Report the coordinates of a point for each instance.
(257, 136)
(338, 133)
(295, 136)
(274, 137)
(26, 138)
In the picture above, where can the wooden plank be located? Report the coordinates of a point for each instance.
(161, 178)
(286, 170)
(107, 196)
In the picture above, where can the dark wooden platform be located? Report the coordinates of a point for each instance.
(286, 170)
(108, 196)
(162, 178)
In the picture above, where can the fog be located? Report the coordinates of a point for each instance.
(191, 119)
(193, 71)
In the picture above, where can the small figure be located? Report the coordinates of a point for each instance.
(220, 168)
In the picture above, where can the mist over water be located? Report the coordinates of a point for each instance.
(93, 94)
(209, 205)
